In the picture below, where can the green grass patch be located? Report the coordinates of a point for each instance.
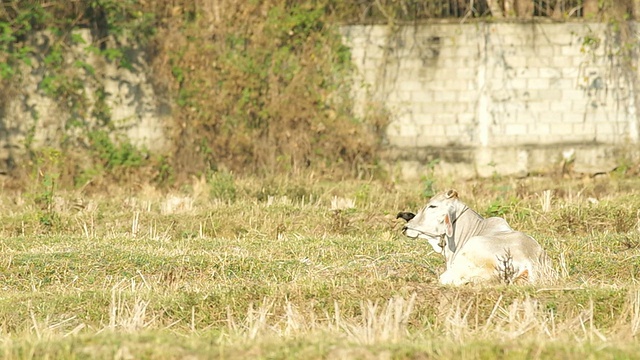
(295, 269)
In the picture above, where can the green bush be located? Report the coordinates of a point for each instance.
(263, 90)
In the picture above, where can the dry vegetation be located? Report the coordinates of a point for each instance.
(275, 268)
(252, 87)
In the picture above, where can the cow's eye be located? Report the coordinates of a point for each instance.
(431, 207)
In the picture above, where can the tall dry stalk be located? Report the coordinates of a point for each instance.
(380, 323)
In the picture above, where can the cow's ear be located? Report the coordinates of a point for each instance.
(407, 216)
(451, 194)
(449, 224)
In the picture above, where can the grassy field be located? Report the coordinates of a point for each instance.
(250, 268)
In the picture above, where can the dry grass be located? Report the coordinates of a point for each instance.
(309, 269)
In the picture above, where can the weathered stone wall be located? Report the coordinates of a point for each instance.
(507, 98)
(31, 118)
(483, 98)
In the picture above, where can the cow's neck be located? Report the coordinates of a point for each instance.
(468, 223)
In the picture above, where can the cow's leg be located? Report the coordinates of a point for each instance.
(457, 271)
(525, 272)
(463, 270)
(450, 277)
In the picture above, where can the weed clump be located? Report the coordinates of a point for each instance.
(222, 186)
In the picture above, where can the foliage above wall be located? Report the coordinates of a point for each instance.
(413, 10)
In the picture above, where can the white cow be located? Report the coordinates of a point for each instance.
(476, 249)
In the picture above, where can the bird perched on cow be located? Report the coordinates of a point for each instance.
(477, 249)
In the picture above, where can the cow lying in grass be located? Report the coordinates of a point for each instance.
(476, 249)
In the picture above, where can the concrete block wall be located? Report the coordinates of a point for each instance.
(509, 98)
(31, 116)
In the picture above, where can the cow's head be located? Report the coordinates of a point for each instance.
(433, 221)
